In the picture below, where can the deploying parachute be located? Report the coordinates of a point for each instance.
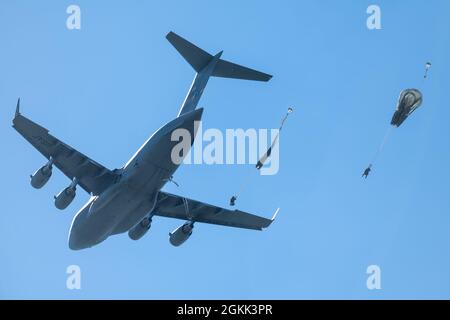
(408, 102)
(427, 67)
(265, 156)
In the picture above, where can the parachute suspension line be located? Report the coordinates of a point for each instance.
(261, 160)
(259, 165)
(383, 143)
(241, 189)
(380, 148)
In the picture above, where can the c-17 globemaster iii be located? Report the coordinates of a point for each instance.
(126, 199)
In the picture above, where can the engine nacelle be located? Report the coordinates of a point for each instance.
(42, 175)
(139, 230)
(66, 196)
(181, 234)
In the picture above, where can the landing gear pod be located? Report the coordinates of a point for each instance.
(66, 196)
(42, 175)
(181, 234)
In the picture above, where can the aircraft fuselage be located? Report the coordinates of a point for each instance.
(133, 195)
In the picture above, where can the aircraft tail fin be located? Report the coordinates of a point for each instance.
(195, 56)
(206, 66)
(200, 59)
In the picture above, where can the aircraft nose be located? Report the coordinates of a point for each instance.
(79, 241)
(74, 243)
(76, 239)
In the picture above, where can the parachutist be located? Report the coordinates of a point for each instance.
(367, 171)
(427, 67)
(267, 154)
(233, 201)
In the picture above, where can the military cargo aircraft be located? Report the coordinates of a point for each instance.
(126, 199)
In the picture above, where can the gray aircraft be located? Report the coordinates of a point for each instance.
(126, 199)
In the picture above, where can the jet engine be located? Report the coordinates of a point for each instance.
(66, 196)
(181, 234)
(139, 230)
(42, 175)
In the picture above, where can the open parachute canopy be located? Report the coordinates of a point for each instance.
(409, 100)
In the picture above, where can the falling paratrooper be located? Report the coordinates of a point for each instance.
(408, 101)
(267, 154)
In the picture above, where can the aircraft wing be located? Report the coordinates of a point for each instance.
(173, 206)
(91, 176)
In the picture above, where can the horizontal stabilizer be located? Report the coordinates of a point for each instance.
(227, 69)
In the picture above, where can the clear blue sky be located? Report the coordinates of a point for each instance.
(107, 87)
